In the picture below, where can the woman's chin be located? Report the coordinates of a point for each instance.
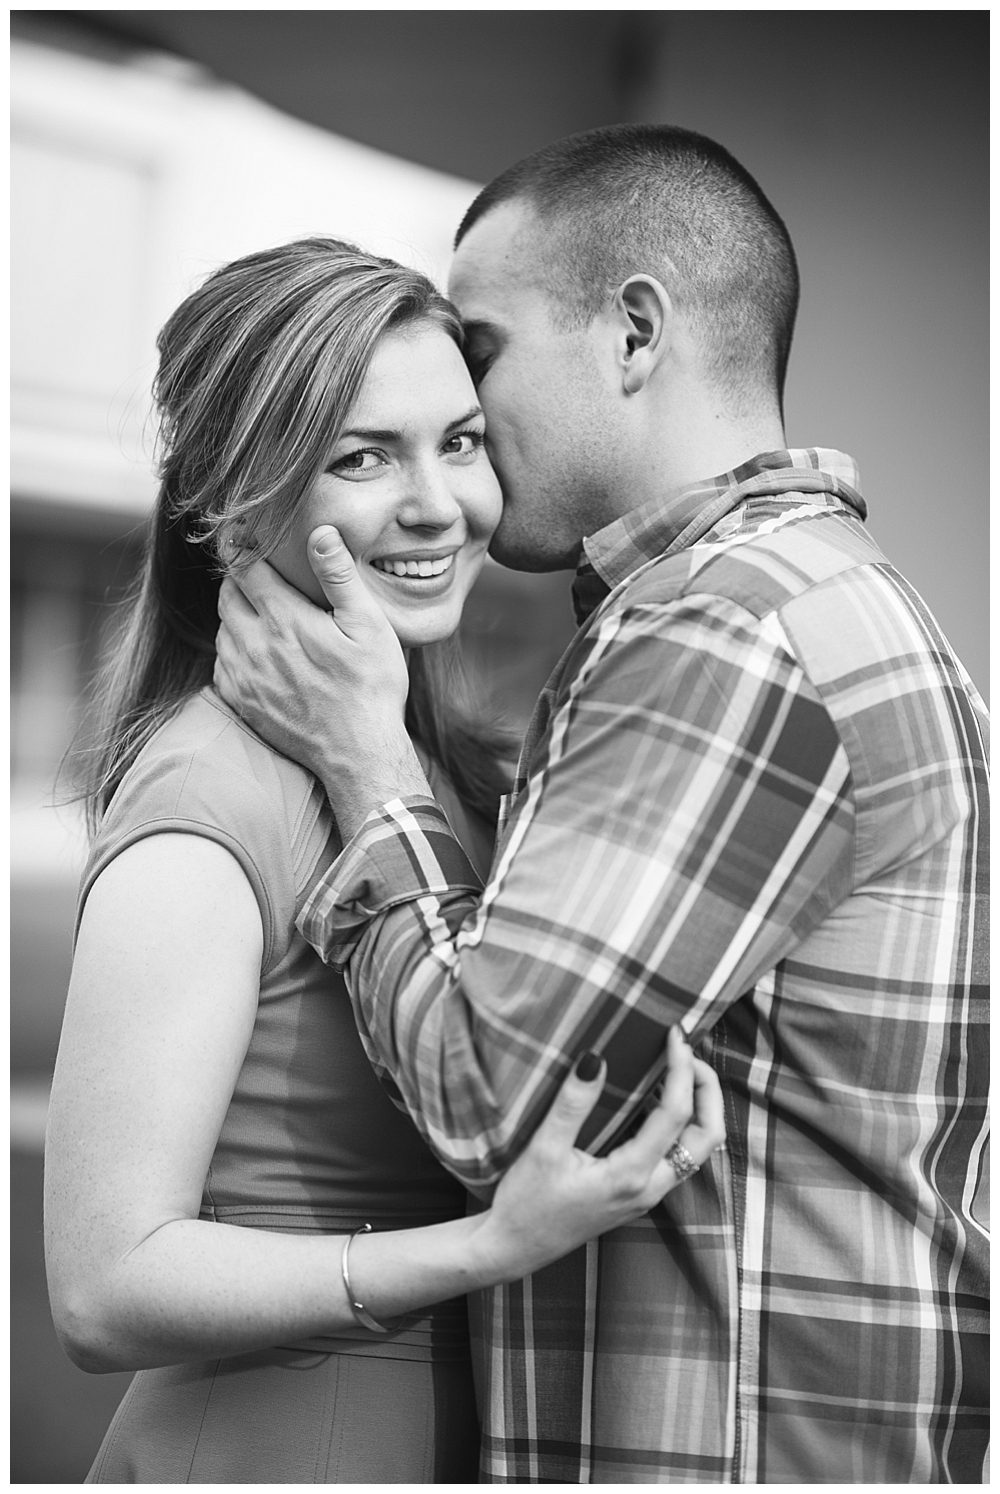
(417, 625)
(413, 634)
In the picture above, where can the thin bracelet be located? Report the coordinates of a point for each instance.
(361, 1314)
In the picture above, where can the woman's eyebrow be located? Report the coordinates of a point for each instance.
(367, 434)
(464, 419)
(371, 435)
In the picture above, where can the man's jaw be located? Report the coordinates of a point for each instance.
(524, 552)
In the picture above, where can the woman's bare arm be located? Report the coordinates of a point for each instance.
(158, 1018)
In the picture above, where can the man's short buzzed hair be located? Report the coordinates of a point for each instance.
(653, 199)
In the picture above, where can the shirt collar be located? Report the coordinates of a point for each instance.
(669, 524)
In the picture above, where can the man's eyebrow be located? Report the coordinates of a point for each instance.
(478, 327)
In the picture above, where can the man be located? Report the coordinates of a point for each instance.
(752, 800)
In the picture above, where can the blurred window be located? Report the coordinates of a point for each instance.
(64, 591)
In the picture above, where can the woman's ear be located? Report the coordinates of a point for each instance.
(235, 544)
(645, 316)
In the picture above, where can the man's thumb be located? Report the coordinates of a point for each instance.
(334, 569)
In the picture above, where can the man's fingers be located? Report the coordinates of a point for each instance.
(579, 1093)
(333, 566)
(233, 604)
(236, 613)
(260, 585)
(270, 596)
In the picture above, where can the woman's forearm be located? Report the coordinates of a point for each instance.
(196, 1290)
(160, 1010)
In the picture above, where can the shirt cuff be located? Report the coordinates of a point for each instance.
(403, 852)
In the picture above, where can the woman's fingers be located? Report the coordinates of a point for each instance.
(704, 1134)
(708, 1124)
(667, 1120)
(637, 1174)
(586, 1196)
(689, 1112)
(578, 1094)
(677, 1097)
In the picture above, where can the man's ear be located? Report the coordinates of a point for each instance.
(644, 315)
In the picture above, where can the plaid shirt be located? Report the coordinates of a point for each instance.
(752, 800)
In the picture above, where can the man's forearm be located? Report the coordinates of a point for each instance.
(611, 912)
(391, 913)
(474, 1022)
(385, 770)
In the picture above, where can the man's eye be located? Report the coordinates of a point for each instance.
(478, 364)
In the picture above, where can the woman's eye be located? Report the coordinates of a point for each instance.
(357, 463)
(464, 444)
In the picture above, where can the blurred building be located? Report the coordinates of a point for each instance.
(150, 146)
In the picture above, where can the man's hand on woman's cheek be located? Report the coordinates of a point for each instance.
(327, 689)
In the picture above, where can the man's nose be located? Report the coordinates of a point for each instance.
(429, 499)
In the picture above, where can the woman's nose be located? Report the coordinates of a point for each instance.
(429, 501)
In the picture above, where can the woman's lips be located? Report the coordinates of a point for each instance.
(422, 568)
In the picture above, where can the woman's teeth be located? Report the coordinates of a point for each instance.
(414, 567)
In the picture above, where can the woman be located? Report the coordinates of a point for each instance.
(218, 1143)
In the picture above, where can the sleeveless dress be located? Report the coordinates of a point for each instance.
(312, 1142)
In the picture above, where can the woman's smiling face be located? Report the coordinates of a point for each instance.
(409, 486)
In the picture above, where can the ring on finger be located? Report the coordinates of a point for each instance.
(682, 1162)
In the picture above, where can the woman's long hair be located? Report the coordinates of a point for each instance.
(258, 371)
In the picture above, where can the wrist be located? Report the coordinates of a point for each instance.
(402, 1271)
(369, 780)
(493, 1257)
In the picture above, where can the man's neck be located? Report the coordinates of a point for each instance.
(698, 445)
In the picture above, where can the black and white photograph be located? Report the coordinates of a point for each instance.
(500, 613)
